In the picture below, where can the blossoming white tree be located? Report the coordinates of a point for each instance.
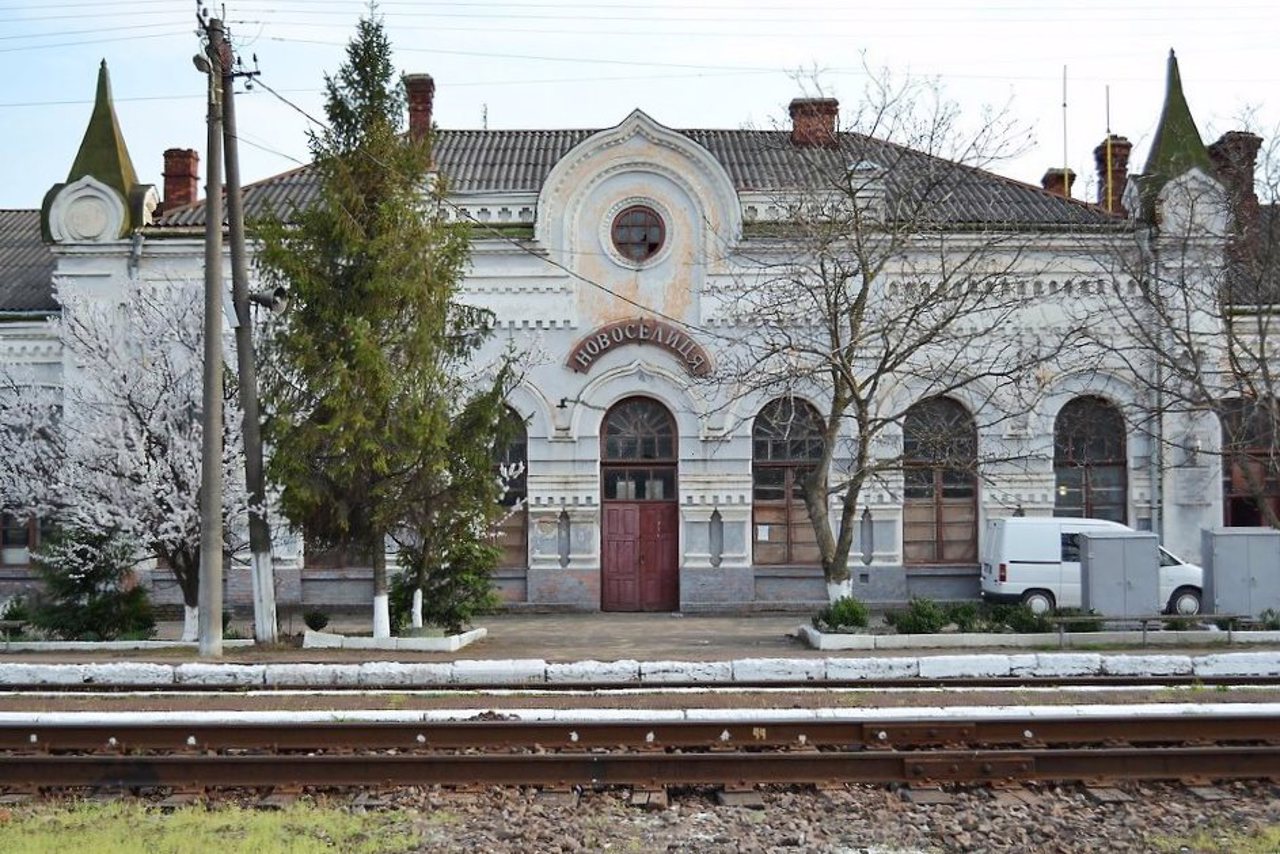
(117, 449)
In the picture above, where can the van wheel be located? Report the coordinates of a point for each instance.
(1039, 601)
(1185, 601)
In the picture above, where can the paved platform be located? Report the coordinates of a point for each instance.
(611, 637)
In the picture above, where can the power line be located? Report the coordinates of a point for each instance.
(61, 33)
(94, 41)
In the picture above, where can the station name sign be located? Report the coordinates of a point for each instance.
(640, 331)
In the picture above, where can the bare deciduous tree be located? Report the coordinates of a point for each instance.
(1192, 315)
(898, 272)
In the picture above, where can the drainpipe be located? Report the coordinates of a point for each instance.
(1156, 457)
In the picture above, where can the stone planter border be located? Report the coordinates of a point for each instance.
(447, 643)
(976, 640)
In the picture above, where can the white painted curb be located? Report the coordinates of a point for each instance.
(852, 714)
(535, 671)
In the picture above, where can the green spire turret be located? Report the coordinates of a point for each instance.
(104, 157)
(1177, 146)
(103, 153)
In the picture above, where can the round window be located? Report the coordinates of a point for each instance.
(638, 233)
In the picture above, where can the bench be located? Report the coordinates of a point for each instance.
(1144, 620)
(9, 628)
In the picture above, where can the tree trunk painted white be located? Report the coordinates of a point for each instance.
(381, 617)
(839, 589)
(190, 622)
(417, 607)
(264, 599)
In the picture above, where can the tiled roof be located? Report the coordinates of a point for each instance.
(514, 161)
(26, 264)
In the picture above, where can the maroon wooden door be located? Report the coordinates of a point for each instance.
(640, 566)
(620, 574)
(641, 557)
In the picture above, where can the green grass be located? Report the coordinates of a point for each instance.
(125, 828)
(1257, 840)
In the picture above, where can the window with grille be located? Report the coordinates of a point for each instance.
(638, 233)
(786, 443)
(639, 452)
(512, 534)
(19, 536)
(1251, 465)
(940, 483)
(1090, 471)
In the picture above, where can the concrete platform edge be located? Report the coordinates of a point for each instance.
(374, 674)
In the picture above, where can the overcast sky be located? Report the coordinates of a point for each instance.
(701, 63)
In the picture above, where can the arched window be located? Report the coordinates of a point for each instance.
(512, 535)
(639, 452)
(940, 462)
(1251, 464)
(1090, 472)
(786, 441)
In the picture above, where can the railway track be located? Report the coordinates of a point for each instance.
(906, 684)
(652, 754)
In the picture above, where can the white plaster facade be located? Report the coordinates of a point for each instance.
(557, 284)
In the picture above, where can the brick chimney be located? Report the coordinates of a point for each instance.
(1058, 182)
(813, 122)
(1235, 160)
(181, 177)
(421, 90)
(1119, 172)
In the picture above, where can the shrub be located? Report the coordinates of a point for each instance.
(16, 609)
(1018, 618)
(451, 595)
(315, 620)
(87, 590)
(967, 617)
(846, 614)
(1269, 620)
(922, 617)
(1094, 625)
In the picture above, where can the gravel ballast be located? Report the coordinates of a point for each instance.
(862, 819)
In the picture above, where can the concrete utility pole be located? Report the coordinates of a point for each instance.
(210, 630)
(264, 591)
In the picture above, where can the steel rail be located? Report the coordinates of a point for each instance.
(643, 769)
(1065, 730)
(908, 683)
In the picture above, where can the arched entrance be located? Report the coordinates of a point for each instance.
(640, 570)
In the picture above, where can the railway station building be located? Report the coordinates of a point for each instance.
(624, 262)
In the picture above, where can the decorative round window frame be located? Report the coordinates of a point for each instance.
(624, 206)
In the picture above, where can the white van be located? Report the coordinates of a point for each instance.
(1037, 561)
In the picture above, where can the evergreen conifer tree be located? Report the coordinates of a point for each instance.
(363, 376)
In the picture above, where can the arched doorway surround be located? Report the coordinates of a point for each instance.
(640, 539)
